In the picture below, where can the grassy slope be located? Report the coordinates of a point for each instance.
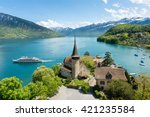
(128, 34)
(20, 33)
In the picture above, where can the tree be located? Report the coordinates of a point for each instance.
(37, 90)
(86, 53)
(42, 71)
(56, 69)
(143, 91)
(119, 89)
(51, 84)
(107, 59)
(11, 89)
(48, 81)
(88, 62)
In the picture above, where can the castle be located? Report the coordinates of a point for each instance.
(72, 66)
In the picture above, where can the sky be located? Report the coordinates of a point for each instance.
(74, 13)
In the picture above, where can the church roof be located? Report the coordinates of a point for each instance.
(65, 69)
(68, 60)
(75, 50)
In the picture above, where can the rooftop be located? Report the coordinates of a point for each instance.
(117, 73)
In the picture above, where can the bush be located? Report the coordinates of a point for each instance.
(101, 95)
(85, 88)
(79, 84)
(119, 89)
(66, 81)
(143, 91)
(42, 71)
(11, 89)
(56, 69)
(37, 90)
(49, 82)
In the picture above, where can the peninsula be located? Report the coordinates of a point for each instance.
(128, 34)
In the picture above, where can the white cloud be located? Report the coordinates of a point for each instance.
(78, 24)
(50, 23)
(105, 1)
(126, 12)
(116, 5)
(147, 2)
(53, 24)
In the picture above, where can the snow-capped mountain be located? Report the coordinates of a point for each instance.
(100, 28)
(62, 30)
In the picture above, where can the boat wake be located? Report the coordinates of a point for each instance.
(46, 61)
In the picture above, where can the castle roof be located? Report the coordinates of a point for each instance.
(101, 73)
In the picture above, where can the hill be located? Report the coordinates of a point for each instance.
(12, 27)
(128, 34)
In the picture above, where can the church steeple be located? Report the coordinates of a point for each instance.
(75, 50)
(75, 61)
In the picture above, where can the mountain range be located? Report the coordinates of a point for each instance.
(12, 27)
(100, 28)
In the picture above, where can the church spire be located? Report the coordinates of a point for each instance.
(75, 50)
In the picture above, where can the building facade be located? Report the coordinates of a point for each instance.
(105, 75)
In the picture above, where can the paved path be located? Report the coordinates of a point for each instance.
(71, 94)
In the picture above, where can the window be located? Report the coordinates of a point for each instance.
(108, 76)
(102, 82)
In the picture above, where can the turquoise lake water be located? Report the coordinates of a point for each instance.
(57, 49)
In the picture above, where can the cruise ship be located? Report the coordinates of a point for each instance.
(25, 59)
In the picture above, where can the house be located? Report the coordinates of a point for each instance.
(73, 67)
(104, 75)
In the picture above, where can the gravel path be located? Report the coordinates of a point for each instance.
(71, 94)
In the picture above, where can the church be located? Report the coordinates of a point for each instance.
(73, 67)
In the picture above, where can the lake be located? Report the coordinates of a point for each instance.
(56, 49)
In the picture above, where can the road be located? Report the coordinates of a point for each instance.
(71, 94)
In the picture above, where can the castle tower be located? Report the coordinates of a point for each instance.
(75, 61)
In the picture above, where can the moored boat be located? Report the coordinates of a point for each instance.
(141, 64)
(135, 55)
